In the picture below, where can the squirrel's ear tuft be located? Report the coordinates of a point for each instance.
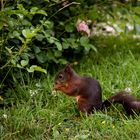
(68, 68)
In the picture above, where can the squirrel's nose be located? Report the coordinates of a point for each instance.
(56, 83)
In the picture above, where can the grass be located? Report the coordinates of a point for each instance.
(38, 115)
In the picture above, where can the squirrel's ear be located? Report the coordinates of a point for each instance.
(68, 68)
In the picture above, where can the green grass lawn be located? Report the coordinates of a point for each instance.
(40, 115)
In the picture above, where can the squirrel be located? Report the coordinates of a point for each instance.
(87, 90)
(130, 103)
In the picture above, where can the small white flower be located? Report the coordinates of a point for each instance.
(5, 116)
(33, 92)
(54, 92)
(110, 29)
(128, 89)
(129, 26)
(38, 85)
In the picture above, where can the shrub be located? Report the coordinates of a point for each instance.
(37, 34)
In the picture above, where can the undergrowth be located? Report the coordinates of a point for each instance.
(37, 114)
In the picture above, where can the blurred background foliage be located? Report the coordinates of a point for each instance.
(37, 35)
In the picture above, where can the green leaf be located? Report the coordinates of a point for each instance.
(58, 45)
(9, 50)
(48, 24)
(57, 53)
(24, 63)
(28, 33)
(20, 7)
(69, 28)
(16, 34)
(13, 61)
(19, 66)
(87, 48)
(36, 68)
(39, 37)
(65, 45)
(92, 47)
(41, 57)
(42, 12)
(62, 61)
(33, 10)
(31, 69)
(52, 40)
(50, 56)
(37, 50)
(84, 41)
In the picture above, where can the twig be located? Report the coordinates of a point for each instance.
(72, 3)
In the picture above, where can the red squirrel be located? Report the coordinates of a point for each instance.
(130, 104)
(87, 90)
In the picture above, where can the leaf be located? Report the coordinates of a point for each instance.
(24, 62)
(20, 7)
(52, 39)
(39, 37)
(42, 12)
(36, 68)
(48, 24)
(88, 47)
(19, 66)
(58, 45)
(33, 10)
(9, 50)
(28, 33)
(92, 47)
(65, 45)
(69, 28)
(13, 62)
(50, 55)
(84, 41)
(41, 57)
(62, 61)
(16, 34)
(31, 69)
(37, 49)
(57, 53)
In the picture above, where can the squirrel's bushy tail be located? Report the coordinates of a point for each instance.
(130, 104)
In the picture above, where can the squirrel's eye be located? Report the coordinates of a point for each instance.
(60, 76)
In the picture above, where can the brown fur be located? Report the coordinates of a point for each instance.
(87, 90)
(130, 104)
